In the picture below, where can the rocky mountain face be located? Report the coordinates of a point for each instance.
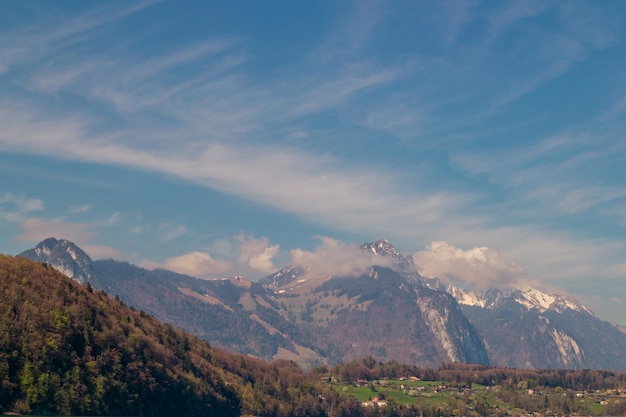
(69, 349)
(527, 328)
(388, 313)
(65, 256)
(379, 314)
(232, 313)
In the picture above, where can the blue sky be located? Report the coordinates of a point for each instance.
(485, 138)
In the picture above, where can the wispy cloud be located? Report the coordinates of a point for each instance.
(30, 43)
(562, 175)
(103, 252)
(169, 231)
(79, 209)
(36, 229)
(14, 207)
(286, 137)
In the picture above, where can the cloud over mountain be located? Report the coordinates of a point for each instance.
(197, 264)
(256, 254)
(480, 266)
(333, 257)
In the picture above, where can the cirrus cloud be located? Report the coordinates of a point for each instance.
(36, 229)
(14, 207)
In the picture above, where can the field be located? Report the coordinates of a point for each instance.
(475, 400)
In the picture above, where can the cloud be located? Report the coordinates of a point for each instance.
(561, 174)
(256, 254)
(28, 43)
(481, 266)
(196, 264)
(213, 125)
(169, 232)
(240, 255)
(79, 209)
(13, 207)
(353, 31)
(36, 229)
(114, 218)
(103, 252)
(317, 187)
(336, 258)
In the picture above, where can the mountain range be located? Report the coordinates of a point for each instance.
(389, 312)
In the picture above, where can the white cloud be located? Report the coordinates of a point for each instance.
(336, 258)
(481, 266)
(241, 255)
(209, 121)
(13, 207)
(196, 264)
(256, 254)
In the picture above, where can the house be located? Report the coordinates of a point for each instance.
(374, 402)
(361, 383)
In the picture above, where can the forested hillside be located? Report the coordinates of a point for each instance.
(68, 349)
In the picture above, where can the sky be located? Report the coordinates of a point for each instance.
(485, 139)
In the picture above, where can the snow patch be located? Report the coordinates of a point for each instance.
(536, 298)
(465, 297)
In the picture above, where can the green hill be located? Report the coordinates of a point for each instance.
(68, 349)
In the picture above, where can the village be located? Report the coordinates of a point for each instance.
(472, 399)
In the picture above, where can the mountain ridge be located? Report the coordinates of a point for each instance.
(334, 318)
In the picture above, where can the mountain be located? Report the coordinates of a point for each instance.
(378, 314)
(528, 328)
(388, 313)
(382, 247)
(211, 309)
(65, 349)
(65, 256)
(68, 349)
(289, 315)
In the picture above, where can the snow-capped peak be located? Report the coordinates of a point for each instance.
(468, 298)
(528, 297)
(282, 277)
(382, 247)
(533, 298)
